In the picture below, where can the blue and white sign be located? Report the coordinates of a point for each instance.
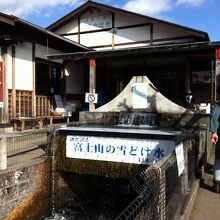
(125, 150)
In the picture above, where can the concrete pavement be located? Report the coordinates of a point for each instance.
(207, 202)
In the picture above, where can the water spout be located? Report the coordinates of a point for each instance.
(137, 119)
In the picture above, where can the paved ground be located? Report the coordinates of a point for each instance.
(207, 202)
(29, 156)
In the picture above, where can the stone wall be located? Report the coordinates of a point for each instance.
(25, 190)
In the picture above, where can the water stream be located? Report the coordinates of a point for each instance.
(72, 209)
(138, 119)
(95, 197)
(86, 197)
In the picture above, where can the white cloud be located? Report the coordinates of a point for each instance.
(45, 8)
(148, 7)
(21, 8)
(190, 2)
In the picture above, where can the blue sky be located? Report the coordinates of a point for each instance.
(203, 15)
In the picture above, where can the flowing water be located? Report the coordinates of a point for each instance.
(138, 119)
(95, 197)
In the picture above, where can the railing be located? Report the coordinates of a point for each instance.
(19, 147)
(23, 104)
(43, 105)
(161, 192)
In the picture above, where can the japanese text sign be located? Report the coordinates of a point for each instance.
(125, 150)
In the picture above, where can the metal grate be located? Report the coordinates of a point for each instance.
(145, 183)
(161, 192)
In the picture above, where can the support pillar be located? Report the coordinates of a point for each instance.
(5, 116)
(1, 91)
(187, 76)
(13, 83)
(217, 73)
(34, 79)
(92, 80)
(3, 153)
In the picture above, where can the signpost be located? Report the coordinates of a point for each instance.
(92, 82)
(91, 98)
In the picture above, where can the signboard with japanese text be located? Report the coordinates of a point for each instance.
(139, 95)
(125, 150)
(96, 22)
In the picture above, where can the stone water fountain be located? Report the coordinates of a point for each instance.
(113, 143)
(100, 139)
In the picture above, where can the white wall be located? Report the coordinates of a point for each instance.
(23, 67)
(132, 35)
(164, 31)
(96, 39)
(42, 52)
(72, 37)
(71, 27)
(97, 20)
(123, 20)
(23, 64)
(75, 81)
(91, 20)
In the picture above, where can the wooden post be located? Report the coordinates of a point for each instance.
(34, 79)
(5, 118)
(13, 83)
(151, 34)
(217, 73)
(113, 41)
(113, 31)
(187, 76)
(92, 80)
(1, 91)
(78, 18)
(3, 153)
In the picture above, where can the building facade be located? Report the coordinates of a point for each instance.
(98, 48)
(178, 60)
(28, 78)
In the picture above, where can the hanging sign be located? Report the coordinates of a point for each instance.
(91, 98)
